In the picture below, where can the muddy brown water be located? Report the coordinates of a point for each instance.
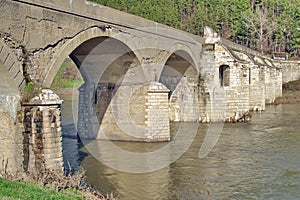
(255, 160)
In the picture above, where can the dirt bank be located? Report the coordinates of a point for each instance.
(290, 93)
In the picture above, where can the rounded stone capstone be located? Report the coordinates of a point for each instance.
(47, 96)
(157, 87)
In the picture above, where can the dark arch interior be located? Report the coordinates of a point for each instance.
(224, 75)
(103, 59)
(178, 65)
(103, 63)
(181, 77)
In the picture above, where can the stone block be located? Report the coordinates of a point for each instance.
(4, 54)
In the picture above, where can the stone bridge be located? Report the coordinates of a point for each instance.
(138, 76)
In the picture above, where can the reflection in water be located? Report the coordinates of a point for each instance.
(256, 160)
(142, 158)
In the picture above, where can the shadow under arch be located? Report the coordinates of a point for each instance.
(224, 75)
(103, 63)
(70, 45)
(181, 77)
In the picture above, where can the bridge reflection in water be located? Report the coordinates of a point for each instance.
(256, 160)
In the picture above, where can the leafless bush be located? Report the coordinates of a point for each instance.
(57, 180)
(60, 182)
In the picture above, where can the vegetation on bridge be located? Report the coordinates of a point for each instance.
(264, 25)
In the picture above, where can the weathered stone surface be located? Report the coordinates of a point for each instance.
(252, 79)
(42, 142)
(10, 137)
(124, 114)
(121, 58)
(157, 113)
(47, 97)
(290, 70)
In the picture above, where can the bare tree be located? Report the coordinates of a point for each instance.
(259, 25)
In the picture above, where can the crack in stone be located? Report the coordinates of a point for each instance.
(39, 20)
(61, 40)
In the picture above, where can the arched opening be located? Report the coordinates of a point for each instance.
(180, 76)
(224, 75)
(102, 62)
(66, 84)
(68, 76)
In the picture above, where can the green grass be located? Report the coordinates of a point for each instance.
(66, 83)
(67, 76)
(11, 190)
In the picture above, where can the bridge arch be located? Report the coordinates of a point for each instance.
(181, 76)
(224, 75)
(185, 52)
(67, 49)
(103, 59)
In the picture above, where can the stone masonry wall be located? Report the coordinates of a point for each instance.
(206, 82)
(257, 89)
(252, 80)
(290, 70)
(13, 64)
(234, 99)
(11, 155)
(126, 112)
(237, 94)
(157, 113)
(124, 117)
(270, 84)
(82, 124)
(184, 103)
(42, 136)
(10, 131)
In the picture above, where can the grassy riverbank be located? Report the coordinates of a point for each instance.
(48, 184)
(43, 189)
(25, 190)
(66, 78)
(290, 93)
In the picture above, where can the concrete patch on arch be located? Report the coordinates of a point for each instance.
(13, 65)
(9, 93)
(10, 137)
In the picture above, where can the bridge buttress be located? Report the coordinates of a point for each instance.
(138, 112)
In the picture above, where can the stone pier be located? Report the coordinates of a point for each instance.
(157, 113)
(42, 136)
(127, 112)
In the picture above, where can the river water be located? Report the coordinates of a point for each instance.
(255, 160)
